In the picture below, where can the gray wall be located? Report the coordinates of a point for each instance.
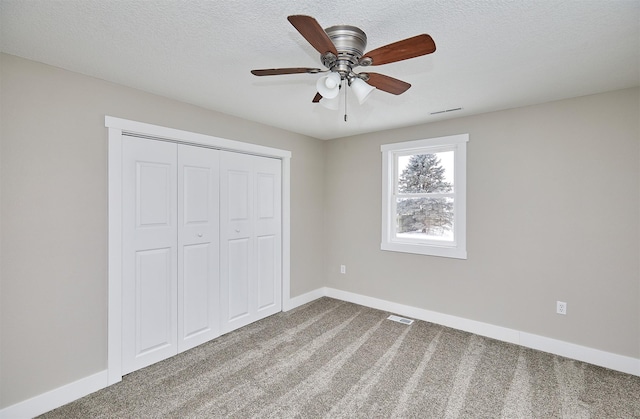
(553, 214)
(54, 215)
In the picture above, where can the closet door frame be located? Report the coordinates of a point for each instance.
(118, 129)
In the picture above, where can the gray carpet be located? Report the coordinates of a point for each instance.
(334, 359)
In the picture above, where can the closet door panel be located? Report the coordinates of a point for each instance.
(149, 280)
(198, 244)
(238, 193)
(196, 290)
(238, 295)
(153, 303)
(153, 194)
(238, 200)
(236, 233)
(268, 227)
(250, 238)
(266, 271)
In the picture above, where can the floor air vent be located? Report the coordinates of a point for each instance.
(400, 319)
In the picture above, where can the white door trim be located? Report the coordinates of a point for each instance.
(116, 128)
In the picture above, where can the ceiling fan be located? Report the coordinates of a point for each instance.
(341, 50)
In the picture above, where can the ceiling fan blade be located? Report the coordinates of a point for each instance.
(402, 50)
(311, 30)
(317, 98)
(387, 84)
(280, 71)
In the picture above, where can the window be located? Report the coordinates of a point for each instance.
(424, 196)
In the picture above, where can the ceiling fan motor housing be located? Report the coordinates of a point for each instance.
(350, 43)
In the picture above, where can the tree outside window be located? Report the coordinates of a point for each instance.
(419, 214)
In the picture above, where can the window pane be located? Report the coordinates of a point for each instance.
(424, 218)
(425, 173)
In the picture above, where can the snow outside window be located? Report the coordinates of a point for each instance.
(424, 196)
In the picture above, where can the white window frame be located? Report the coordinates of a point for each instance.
(390, 152)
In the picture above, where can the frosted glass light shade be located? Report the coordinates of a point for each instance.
(361, 89)
(329, 86)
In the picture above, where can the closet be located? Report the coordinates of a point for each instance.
(201, 245)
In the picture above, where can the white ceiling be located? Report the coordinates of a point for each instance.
(490, 54)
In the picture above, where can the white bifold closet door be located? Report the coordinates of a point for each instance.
(198, 246)
(170, 285)
(250, 239)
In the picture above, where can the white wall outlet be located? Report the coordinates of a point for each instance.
(343, 269)
(561, 307)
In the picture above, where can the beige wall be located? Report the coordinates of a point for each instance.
(54, 215)
(553, 214)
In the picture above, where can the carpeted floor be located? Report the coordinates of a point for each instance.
(334, 359)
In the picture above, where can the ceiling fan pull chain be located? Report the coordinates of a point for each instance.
(345, 101)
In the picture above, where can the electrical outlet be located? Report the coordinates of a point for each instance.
(561, 307)
(343, 269)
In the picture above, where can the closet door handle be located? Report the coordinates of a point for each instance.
(199, 234)
(237, 230)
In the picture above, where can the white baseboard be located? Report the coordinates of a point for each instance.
(598, 357)
(55, 398)
(303, 299)
(73, 391)
(609, 360)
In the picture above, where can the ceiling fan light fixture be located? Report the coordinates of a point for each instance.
(329, 86)
(361, 89)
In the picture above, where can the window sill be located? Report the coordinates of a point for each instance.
(428, 250)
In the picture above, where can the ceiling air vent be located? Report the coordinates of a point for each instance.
(445, 111)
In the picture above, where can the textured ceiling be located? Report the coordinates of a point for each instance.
(490, 54)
